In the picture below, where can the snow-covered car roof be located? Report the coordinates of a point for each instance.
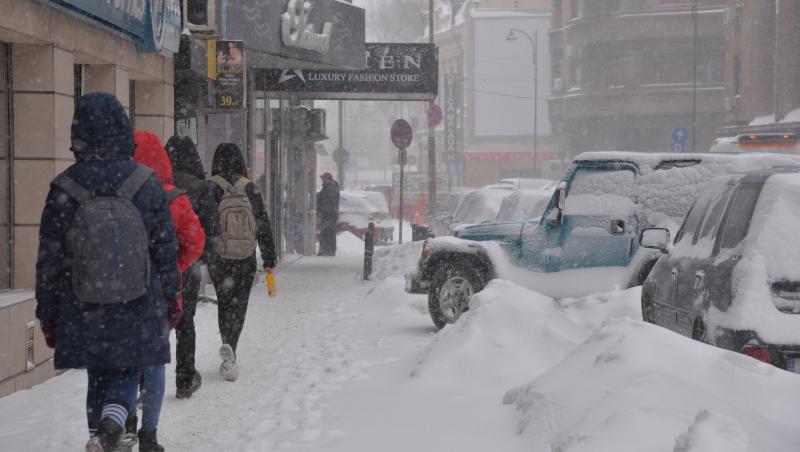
(362, 202)
(647, 161)
(670, 183)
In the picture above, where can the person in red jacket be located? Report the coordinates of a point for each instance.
(191, 243)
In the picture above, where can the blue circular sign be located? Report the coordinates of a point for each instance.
(435, 115)
(680, 135)
(401, 134)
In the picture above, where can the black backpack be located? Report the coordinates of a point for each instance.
(108, 241)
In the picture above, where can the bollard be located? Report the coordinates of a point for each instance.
(369, 250)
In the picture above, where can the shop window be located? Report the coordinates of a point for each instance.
(6, 220)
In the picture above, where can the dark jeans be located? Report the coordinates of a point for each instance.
(108, 386)
(232, 282)
(185, 332)
(327, 235)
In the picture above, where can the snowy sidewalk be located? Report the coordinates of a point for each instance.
(292, 353)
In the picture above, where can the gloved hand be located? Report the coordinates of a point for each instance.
(174, 312)
(49, 331)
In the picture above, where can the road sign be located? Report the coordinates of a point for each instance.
(680, 136)
(412, 160)
(341, 156)
(677, 147)
(435, 115)
(401, 134)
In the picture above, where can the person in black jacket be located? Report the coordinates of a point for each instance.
(233, 278)
(328, 211)
(111, 341)
(189, 176)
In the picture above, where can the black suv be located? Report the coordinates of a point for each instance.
(732, 277)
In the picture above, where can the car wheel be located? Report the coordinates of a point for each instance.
(450, 291)
(699, 331)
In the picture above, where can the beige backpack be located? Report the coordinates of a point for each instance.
(237, 222)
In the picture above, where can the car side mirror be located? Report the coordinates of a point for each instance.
(655, 238)
(561, 196)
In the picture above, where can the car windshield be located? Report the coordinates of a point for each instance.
(480, 205)
(601, 192)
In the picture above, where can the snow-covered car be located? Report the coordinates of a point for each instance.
(444, 216)
(358, 208)
(592, 221)
(732, 277)
(479, 206)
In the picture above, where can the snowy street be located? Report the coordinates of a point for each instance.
(337, 364)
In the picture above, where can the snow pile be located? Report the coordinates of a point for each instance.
(636, 387)
(348, 245)
(509, 334)
(396, 260)
(593, 310)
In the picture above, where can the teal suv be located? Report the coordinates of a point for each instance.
(593, 220)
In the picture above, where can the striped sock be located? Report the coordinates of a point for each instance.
(116, 413)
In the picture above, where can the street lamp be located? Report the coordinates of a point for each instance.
(535, 60)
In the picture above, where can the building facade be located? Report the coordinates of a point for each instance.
(494, 128)
(51, 52)
(271, 130)
(762, 67)
(624, 74)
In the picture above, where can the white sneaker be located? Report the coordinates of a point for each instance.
(228, 369)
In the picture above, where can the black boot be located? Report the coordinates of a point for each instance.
(185, 393)
(149, 443)
(107, 437)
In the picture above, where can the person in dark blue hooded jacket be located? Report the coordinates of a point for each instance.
(111, 340)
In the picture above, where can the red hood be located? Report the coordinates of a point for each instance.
(151, 153)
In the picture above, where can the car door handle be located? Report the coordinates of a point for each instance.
(699, 277)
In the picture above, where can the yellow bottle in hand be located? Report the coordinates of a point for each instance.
(270, 279)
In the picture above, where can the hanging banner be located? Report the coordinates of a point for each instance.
(154, 25)
(393, 72)
(452, 109)
(226, 71)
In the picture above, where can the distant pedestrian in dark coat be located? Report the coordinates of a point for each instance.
(189, 175)
(111, 340)
(328, 211)
(191, 242)
(233, 278)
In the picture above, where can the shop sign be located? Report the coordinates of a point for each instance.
(226, 73)
(311, 33)
(154, 25)
(296, 30)
(452, 105)
(394, 71)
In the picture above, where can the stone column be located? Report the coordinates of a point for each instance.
(154, 105)
(108, 78)
(43, 102)
(787, 58)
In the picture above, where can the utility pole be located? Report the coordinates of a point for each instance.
(536, 103)
(340, 162)
(535, 60)
(431, 136)
(694, 78)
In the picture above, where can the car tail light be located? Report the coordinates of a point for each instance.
(760, 353)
